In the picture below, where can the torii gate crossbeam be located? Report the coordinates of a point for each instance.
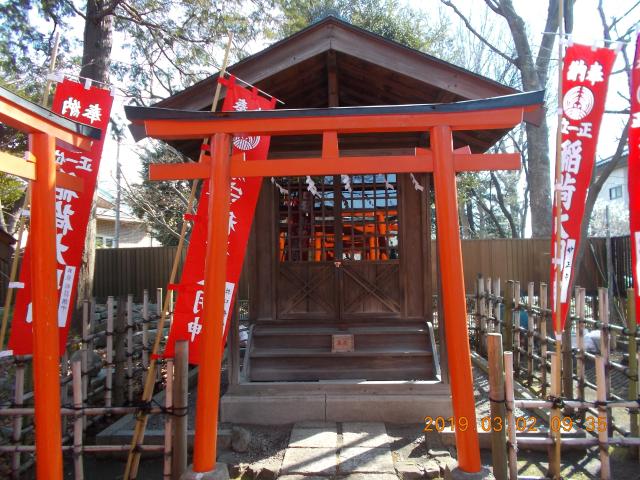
(44, 127)
(440, 121)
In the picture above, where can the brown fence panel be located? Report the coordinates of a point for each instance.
(120, 271)
(526, 260)
(131, 270)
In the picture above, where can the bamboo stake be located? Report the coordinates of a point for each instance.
(508, 317)
(605, 345)
(554, 418)
(580, 357)
(18, 399)
(168, 421)
(64, 389)
(603, 442)
(130, 348)
(133, 460)
(145, 329)
(76, 372)
(161, 308)
(512, 444)
(543, 343)
(516, 327)
(109, 373)
(556, 373)
(85, 357)
(480, 320)
(496, 395)
(632, 394)
(159, 301)
(489, 306)
(497, 311)
(530, 332)
(181, 405)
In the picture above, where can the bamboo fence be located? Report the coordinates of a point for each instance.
(89, 387)
(597, 403)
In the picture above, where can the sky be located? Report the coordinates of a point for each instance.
(587, 29)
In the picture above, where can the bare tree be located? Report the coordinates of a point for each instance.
(534, 74)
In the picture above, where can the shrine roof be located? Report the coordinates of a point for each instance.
(365, 69)
(137, 114)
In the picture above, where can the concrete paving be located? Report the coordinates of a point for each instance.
(349, 451)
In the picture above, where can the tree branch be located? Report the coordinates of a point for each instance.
(489, 212)
(503, 207)
(464, 19)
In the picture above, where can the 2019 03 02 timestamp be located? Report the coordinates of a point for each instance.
(522, 424)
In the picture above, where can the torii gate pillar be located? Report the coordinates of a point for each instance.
(454, 295)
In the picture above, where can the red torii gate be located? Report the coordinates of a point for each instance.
(44, 127)
(439, 120)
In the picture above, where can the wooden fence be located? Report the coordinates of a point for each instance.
(526, 260)
(120, 271)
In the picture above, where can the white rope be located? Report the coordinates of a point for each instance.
(416, 185)
(347, 182)
(283, 191)
(311, 186)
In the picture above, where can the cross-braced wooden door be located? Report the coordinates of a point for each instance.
(338, 248)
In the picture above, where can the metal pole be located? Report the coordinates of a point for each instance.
(453, 296)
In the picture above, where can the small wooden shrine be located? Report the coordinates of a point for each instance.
(340, 298)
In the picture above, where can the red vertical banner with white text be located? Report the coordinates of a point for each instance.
(585, 76)
(634, 176)
(89, 104)
(187, 317)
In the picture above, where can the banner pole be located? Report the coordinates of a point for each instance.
(133, 459)
(556, 373)
(21, 220)
(52, 65)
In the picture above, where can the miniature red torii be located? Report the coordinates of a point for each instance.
(44, 127)
(440, 121)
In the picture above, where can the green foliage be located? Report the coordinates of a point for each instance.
(388, 18)
(11, 191)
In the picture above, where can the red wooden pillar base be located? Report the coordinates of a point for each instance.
(453, 298)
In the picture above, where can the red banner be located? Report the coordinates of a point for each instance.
(634, 176)
(82, 103)
(585, 76)
(187, 318)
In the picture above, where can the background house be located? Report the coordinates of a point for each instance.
(133, 231)
(614, 196)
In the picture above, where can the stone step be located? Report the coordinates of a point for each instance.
(386, 351)
(284, 406)
(285, 372)
(415, 337)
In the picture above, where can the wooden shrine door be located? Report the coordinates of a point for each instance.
(338, 248)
